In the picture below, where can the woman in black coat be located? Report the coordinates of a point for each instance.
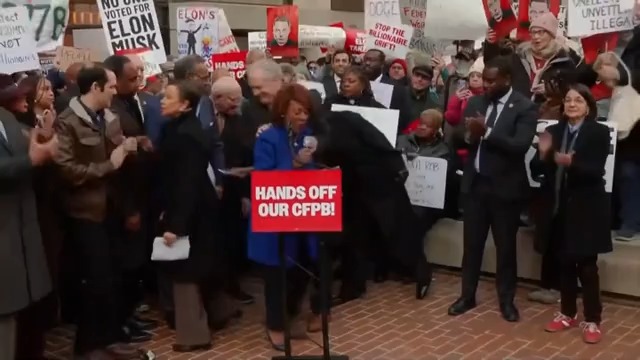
(189, 210)
(571, 159)
(355, 90)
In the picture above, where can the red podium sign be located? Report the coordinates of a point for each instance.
(296, 201)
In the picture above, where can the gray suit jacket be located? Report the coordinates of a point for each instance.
(24, 276)
(505, 147)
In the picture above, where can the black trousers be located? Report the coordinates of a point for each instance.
(355, 250)
(297, 283)
(551, 266)
(585, 269)
(98, 324)
(484, 210)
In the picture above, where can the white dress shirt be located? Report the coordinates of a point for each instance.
(337, 79)
(500, 106)
(378, 79)
(3, 132)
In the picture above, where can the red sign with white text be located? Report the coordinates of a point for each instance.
(234, 62)
(296, 201)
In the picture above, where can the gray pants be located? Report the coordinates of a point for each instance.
(192, 327)
(7, 337)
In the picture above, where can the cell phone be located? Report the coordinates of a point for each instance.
(310, 142)
(462, 84)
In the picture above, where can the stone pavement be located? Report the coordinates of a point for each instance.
(389, 324)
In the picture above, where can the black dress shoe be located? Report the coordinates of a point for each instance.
(132, 334)
(191, 348)
(142, 324)
(422, 288)
(510, 312)
(461, 306)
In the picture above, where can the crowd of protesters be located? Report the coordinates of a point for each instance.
(97, 163)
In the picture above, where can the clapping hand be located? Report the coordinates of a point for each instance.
(476, 126)
(564, 159)
(545, 142)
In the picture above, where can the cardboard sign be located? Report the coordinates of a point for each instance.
(597, 17)
(414, 13)
(67, 55)
(17, 45)
(234, 62)
(48, 20)
(296, 201)
(427, 181)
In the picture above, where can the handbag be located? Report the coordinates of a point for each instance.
(624, 109)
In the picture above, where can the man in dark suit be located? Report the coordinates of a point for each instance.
(373, 63)
(495, 183)
(340, 61)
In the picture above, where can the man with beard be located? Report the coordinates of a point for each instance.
(373, 62)
(134, 197)
(495, 183)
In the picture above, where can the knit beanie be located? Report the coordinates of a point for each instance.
(478, 66)
(401, 62)
(547, 22)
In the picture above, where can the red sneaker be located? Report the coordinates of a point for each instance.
(561, 322)
(591, 333)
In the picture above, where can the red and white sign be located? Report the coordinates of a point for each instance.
(234, 62)
(296, 201)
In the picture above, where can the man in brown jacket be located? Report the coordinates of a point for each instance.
(91, 149)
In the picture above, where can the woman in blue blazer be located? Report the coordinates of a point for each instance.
(286, 145)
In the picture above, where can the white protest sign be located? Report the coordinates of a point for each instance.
(150, 67)
(198, 31)
(455, 19)
(384, 28)
(226, 42)
(257, 40)
(609, 165)
(48, 20)
(427, 181)
(382, 93)
(590, 17)
(310, 36)
(132, 24)
(17, 44)
(414, 13)
(385, 120)
(313, 85)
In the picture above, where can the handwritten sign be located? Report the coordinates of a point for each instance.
(384, 28)
(257, 40)
(67, 55)
(414, 13)
(590, 17)
(48, 20)
(132, 24)
(17, 45)
(427, 181)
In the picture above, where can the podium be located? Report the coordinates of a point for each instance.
(300, 201)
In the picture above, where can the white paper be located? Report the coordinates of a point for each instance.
(313, 85)
(609, 165)
(310, 36)
(17, 45)
(126, 27)
(414, 13)
(427, 181)
(385, 120)
(257, 40)
(212, 175)
(179, 250)
(587, 18)
(382, 93)
(455, 19)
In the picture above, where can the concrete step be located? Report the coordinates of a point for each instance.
(619, 270)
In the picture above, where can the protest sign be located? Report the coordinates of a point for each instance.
(594, 45)
(384, 28)
(529, 10)
(296, 201)
(47, 61)
(197, 30)
(313, 85)
(234, 62)
(414, 13)
(48, 20)
(589, 17)
(455, 20)
(427, 181)
(282, 30)
(257, 40)
(17, 45)
(609, 165)
(382, 93)
(132, 24)
(67, 55)
(148, 60)
(500, 16)
(227, 42)
(385, 120)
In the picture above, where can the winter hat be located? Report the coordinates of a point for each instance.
(401, 63)
(547, 22)
(478, 66)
